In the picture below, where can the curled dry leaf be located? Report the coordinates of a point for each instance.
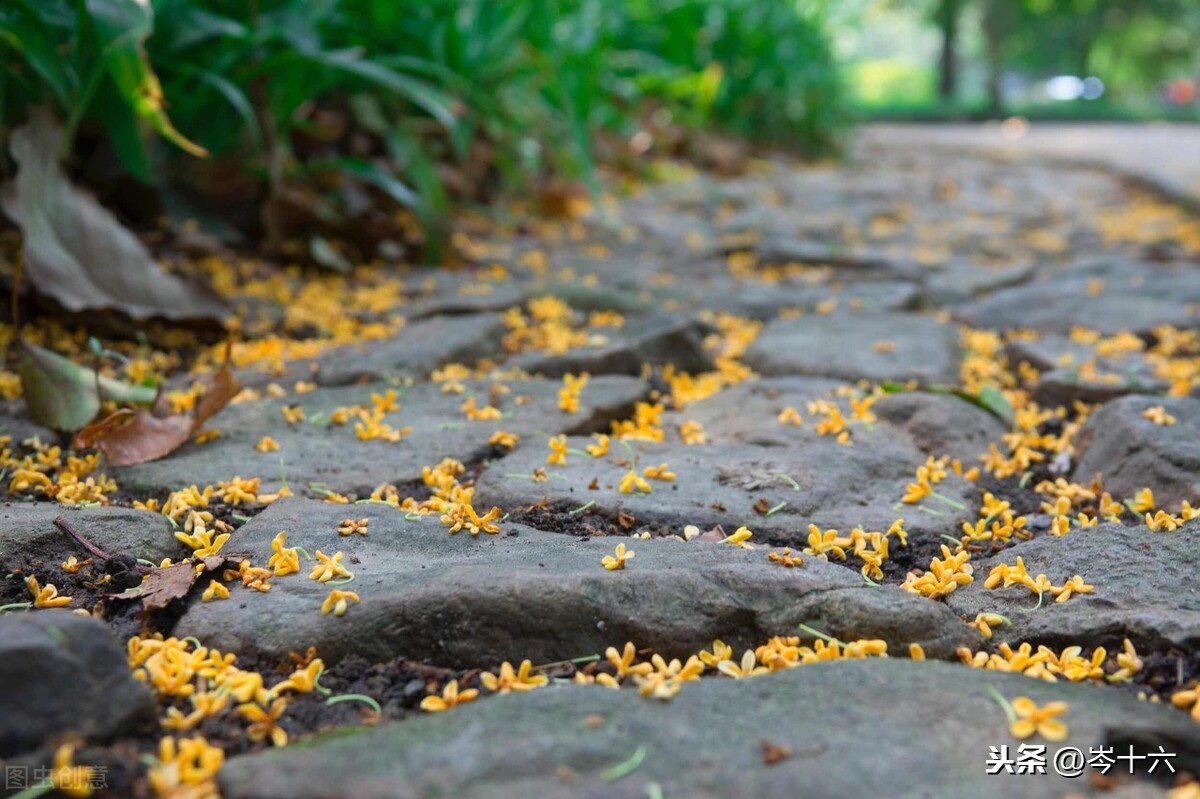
(166, 583)
(130, 436)
(76, 251)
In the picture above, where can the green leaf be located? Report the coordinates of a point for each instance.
(414, 90)
(992, 399)
(121, 26)
(25, 32)
(63, 395)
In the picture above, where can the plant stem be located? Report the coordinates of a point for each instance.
(62, 524)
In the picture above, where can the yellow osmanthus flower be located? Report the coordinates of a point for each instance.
(205, 705)
(386, 402)
(202, 543)
(720, 651)
(1143, 501)
(205, 436)
(47, 596)
(632, 483)
(68, 778)
(264, 723)
(1042, 721)
(237, 490)
(600, 448)
(286, 560)
(617, 560)
(692, 433)
(267, 444)
(739, 538)
(338, 602)
(646, 424)
(789, 415)
(352, 526)
(462, 514)
(785, 558)
(371, 427)
(501, 438)
(72, 564)
(215, 590)
(659, 472)
(451, 697)
(984, 622)
(1128, 664)
(667, 678)
(558, 451)
(944, 576)
(186, 767)
(1162, 522)
(303, 680)
(623, 661)
(328, 567)
(474, 413)
(292, 414)
(1189, 700)
(823, 544)
(509, 679)
(568, 395)
(1159, 416)
(1075, 585)
(748, 667)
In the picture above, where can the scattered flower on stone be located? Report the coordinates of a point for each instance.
(339, 602)
(617, 561)
(451, 697)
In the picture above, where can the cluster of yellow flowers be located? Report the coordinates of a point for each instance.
(547, 328)
(871, 547)
(932, 472)
(568, 395)
(735, 335)
(646, 424)
(47, 470)
(1046, 664)
(944, 576)
(692, 432)
(1004, 524)
(1007, 576)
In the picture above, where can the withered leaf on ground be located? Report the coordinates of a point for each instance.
(128, 436)
(76, 251)
(175, 581)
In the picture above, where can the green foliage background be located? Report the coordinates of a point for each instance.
(529, 82)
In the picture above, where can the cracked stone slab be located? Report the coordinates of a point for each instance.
(838, 486)
(852, 346)
(1131, 452)
(1145, 589)
(1061, 382)
(523, 593)
(747, 412)
(315, 451)
(706, 743)
(1132, 296)
(655, 339)
(417, 349)
(28, 529)
(765, 300)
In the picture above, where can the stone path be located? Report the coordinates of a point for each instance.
(1160, 155)
(851, 420)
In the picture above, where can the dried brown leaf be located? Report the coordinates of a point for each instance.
(127, 437)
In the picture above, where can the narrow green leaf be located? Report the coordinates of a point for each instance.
(63, 395)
